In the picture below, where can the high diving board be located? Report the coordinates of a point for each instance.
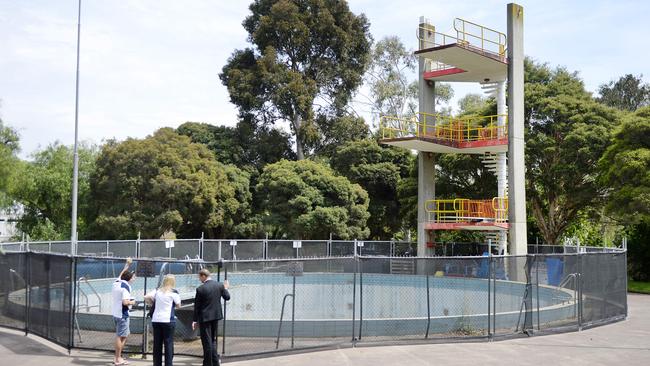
(464, 63)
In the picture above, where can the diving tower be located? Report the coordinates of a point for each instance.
(495, 60)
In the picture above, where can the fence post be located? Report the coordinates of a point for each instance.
(489, 283)
(354, 297)
(537, 287)
(579, 285)
(201, 246)
(328, 250)
(426, 335)
(28, 290)
(137, 246)
(360, 263)
(225, 304)
(73, 301)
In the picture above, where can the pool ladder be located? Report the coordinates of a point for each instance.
(87, 305)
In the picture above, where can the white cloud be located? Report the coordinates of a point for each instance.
(147, 64)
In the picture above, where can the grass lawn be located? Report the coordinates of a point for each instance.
(637, 286)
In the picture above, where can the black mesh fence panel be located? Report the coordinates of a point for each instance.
(154, 249)
(260, 314)
(13, 290)
(213, 250)
(301, 303)
(248, 249)
(278, 249)
(185, 249)
(122, 249)
(49, 300)
(602, 284)
(314, 248)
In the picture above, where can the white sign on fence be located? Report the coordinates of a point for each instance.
(169, 244)
(233, 243)
(297, 244)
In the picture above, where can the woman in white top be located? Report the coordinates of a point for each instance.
(163, 320)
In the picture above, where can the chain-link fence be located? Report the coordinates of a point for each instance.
(244, 249)
(312, 303)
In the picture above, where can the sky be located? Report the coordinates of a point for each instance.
(147, 64)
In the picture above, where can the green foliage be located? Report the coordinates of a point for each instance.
(638, 287)
(378, 170)
(165, 182)
(472, 104)
(407, 196)
(464, 176)
(44, 187)
(638, 251)
(625, 168)
(628, 93)
(390, 78)
(393, 90)
(303, 50)
(566, 134)
(306, 200)
(338, 130)
(9, 146)
(246, 145)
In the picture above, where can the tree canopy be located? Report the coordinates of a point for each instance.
(44, 187)
(165, 182)
(9, 147)
(307, 200)
(304, 51)
(378, 170)
(625, 168)
(392, 82)
(628, 93)
(246, 145)
(566, 134)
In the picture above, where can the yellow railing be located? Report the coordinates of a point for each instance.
(467, 210)
(500, 207)
(468, 35)
(446, 128)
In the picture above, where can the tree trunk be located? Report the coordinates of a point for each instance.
(299, 151)
(297, 122)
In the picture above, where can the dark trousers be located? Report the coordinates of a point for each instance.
(208, 331)
(163, 334)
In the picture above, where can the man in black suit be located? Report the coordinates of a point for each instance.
(207, 312)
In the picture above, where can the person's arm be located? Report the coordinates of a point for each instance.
(150, 298)
(177, 300)
(126, 298)
(224, 293)
(197, 304)
(126, 266)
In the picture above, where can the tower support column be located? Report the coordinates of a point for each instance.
(516, 145)
(426, 164)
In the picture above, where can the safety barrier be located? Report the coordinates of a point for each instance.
(445, 128)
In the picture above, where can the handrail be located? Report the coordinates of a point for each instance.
(277, 340)
(99, 298)
(468, 35)
(565, 282)
(501, 37)
(466, 210)
(444, 128)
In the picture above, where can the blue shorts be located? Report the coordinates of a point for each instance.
(122, 328)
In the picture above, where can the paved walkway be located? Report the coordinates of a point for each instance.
(623, 343)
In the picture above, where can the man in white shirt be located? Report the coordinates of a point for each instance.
(122, 299)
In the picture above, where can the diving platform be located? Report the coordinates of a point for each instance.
(446, 134)
(461, 62)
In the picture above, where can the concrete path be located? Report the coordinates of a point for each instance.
(623, 343)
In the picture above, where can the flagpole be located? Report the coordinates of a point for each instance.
(75, 166)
